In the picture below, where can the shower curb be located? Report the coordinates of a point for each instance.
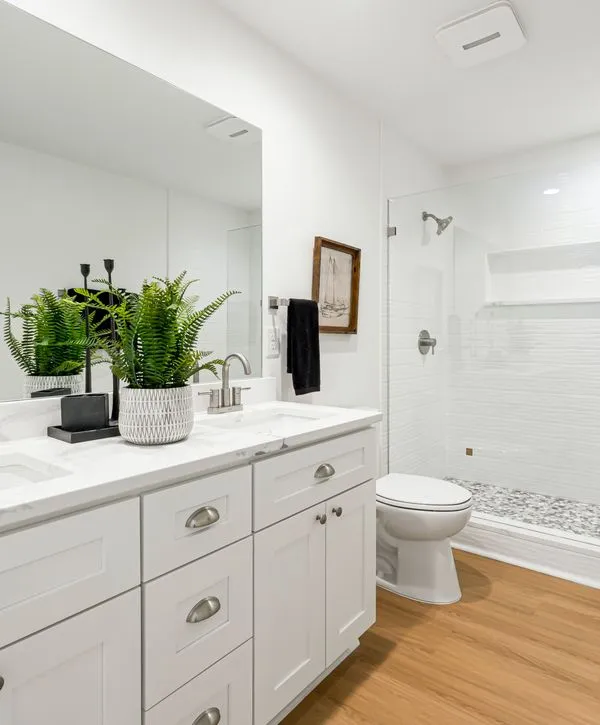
(557, 553)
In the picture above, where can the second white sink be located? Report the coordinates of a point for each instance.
(17, 469)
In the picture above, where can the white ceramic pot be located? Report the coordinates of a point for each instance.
(151, 417)
(35, 383)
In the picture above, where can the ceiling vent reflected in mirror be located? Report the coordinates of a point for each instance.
(482, 36)
(233, 129)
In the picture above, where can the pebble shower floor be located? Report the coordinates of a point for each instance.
(539, 509)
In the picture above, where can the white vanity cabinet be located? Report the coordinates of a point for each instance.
(222, 598)
(314, 573)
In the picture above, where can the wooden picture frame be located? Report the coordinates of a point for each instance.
(336, 282)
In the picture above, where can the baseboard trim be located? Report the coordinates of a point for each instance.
(567, 556)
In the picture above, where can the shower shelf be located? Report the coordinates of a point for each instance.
(528, 303)
(565, 274)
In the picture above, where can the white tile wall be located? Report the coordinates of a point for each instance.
(525, 395)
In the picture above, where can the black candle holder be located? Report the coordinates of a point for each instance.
(109, 265)
(85, 272)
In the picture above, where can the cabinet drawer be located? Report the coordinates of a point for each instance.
(54, 570)
(194, 616)
(295, 481)
(222, 694)
(189, 521)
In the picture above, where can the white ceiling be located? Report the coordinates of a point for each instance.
(383, 54)
(64, 97)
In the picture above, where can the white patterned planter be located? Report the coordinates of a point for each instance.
(151, 417)
(35, 383)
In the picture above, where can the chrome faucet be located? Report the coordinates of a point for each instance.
(226, 399)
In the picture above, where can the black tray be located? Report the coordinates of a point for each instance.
(82, 436)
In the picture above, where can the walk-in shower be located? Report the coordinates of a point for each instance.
(509, 405)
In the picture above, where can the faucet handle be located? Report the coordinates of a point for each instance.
(236, 395)
(216, 398)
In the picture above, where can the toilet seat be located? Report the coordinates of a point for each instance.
(421, 493)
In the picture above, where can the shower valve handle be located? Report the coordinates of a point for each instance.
(426, 343)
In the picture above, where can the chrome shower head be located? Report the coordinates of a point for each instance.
(442, 224)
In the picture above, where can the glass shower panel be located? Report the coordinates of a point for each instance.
(510, 402)
(419, 279)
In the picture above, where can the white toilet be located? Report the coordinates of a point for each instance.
(416, 518)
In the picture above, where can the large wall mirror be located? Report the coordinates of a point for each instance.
(99, 159)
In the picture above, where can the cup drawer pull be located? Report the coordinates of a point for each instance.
(324, 471)
(205, 516)
(205, 609)
(212, 716)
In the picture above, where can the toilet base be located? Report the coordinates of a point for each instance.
(425, 572)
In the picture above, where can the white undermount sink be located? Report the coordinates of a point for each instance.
(263, 419)
(17, 469)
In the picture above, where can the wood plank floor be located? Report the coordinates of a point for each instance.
(520, 648)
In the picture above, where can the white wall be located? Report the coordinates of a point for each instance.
(320, 153)
(553, 159)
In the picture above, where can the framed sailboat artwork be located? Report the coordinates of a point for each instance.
(336, 281)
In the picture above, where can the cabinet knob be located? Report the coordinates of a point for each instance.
(322, 518)
(205, 516)
(212, 716)
(1, 682)
(337, 511)
(324, 471)
(205, 609)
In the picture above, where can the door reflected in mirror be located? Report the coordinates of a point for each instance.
(99, 159)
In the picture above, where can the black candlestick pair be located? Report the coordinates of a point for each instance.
(109, 265)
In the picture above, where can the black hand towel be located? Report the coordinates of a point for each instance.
(303, 355)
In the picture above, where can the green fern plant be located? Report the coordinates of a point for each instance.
(53, 337)
(157, 332)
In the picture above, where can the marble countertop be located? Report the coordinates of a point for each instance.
(108, 470)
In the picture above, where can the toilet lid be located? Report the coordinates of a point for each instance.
(420, 492)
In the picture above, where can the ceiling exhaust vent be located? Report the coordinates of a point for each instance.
(233, 129)
(487, 34)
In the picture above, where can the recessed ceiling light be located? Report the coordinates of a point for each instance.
(551, 192)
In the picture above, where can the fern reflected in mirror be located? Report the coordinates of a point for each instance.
(53, 339)
(51, 345)
(157, 332)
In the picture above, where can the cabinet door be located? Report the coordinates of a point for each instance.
(350, 568)
(84, 670)
(289, 607)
